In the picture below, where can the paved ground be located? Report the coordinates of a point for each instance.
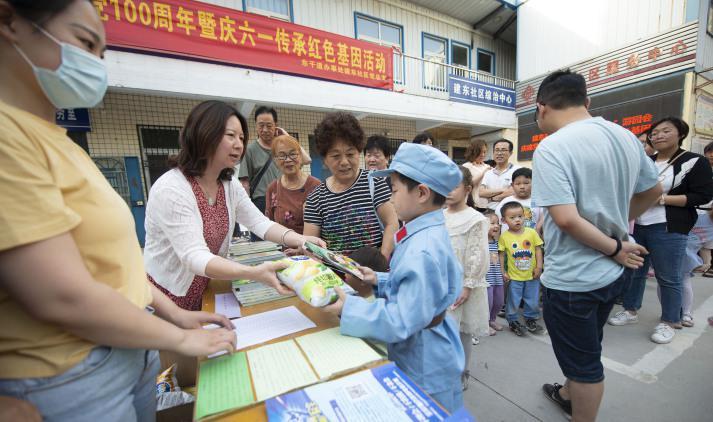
(644, 381)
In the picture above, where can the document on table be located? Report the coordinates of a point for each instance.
(330, 352)
(227, 304)
(223, 384)
(266, 326)
(278, 368)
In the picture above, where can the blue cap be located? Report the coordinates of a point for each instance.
(427, 165)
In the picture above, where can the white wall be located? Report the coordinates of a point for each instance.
(556, 33)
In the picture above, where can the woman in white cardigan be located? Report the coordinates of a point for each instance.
(193, 208)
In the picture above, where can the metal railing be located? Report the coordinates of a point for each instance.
(419, 76)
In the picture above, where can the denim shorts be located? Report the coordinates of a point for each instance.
(575, 321)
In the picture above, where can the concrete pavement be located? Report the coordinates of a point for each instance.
(644, 381)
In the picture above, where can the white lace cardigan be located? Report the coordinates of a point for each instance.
(175, 250)
(468, 231)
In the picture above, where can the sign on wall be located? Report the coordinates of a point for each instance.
(636, 108)
(73, 119)
(207, 32)
(473, 92)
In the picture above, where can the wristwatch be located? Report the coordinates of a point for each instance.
(662, 200)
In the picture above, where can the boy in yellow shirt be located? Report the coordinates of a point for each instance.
(517, 247)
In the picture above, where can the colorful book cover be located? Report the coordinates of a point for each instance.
(337, 261)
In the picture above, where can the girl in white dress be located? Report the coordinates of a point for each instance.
(468, 230)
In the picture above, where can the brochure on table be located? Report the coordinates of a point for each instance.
(383, 393)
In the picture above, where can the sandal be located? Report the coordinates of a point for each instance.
(709, 272)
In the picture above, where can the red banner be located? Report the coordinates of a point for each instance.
(198, 30)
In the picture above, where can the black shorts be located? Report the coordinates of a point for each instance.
(575, 321)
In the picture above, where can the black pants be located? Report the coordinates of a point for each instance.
(260, 204)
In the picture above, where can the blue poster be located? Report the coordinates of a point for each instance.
(383, 393)
(473, 92)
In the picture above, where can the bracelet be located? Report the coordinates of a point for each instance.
(618, 247)
(662, 200)
(282, 240)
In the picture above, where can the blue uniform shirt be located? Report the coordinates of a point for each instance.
(425, 279)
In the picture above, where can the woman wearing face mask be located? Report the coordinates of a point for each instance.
(77, 339)
(663, 229)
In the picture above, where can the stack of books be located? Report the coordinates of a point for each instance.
(249, 292)
(254, 253)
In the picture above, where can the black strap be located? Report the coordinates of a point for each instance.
(254, 182)
(618, 247)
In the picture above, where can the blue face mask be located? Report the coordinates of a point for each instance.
(80, 81)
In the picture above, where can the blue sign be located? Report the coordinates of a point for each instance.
(74, 119)
(474, 92)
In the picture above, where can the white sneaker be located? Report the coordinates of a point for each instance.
(663, 333)
(623, 318)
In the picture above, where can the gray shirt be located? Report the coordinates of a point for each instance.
(596, 165)
(255, 158)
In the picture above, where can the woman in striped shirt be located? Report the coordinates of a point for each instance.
(345, 210)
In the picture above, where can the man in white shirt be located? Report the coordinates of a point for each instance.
(496, 184)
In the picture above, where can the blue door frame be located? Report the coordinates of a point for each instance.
(137, 201)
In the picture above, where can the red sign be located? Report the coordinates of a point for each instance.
(198, 30)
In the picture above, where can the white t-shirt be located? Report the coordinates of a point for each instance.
(493, 179)
(532, 214)
(657, 213)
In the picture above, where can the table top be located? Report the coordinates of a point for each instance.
(322, 319)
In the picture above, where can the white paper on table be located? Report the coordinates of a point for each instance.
(227, 304)
(266, 326)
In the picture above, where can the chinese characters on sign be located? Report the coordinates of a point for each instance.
(200, 30)
(473, 92)
(73, 119)
(613, 67)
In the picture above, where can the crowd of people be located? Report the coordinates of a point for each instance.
(444, 248)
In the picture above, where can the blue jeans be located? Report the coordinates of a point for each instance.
(666, 252)
(575, 322)
(528, 291)
(110, 384)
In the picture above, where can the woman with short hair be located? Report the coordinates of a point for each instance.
(348, 210)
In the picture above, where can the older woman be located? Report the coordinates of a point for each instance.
(193, 208)
(474, 155)
(663, 229)
(286, 195)
(344, 210)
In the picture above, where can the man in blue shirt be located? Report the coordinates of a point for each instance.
(409, 313)
(592, 177)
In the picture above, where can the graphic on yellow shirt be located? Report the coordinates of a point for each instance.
(520, 252)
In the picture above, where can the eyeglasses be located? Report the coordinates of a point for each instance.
(283, 157)
(537, 110)
(265, 126)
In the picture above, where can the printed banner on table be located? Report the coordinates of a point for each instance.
(203, 31)
(474, 92)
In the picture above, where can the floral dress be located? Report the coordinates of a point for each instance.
(215, 229)
(468, 231)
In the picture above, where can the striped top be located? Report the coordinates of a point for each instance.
(348, 219)
(494, 277)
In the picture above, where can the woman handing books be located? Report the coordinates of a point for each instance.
(193, 208)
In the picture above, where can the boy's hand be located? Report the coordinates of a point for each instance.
(536, 273)
(369, 275)
(462, 298)
(336, 307)
(631, 255)
(506, 278)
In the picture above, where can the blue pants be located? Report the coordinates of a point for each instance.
(110, 384)
(528, 291)
(451, 400)
(666, 253)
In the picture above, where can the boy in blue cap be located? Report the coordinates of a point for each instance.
(409, 313)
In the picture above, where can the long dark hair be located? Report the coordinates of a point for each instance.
(39, 11)
(468, 181)
(201, 135)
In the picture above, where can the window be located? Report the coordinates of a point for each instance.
(382, 33)
(692, 7)
(280, 9)
(460, 57)
(486, 61)
(434, 54)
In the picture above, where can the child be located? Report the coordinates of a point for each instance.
(425, 279)
(468, 231)
(522, 187)
(519, 244)
(494, 277)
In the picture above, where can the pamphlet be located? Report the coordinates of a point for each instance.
(334, 260)
(384, 393)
